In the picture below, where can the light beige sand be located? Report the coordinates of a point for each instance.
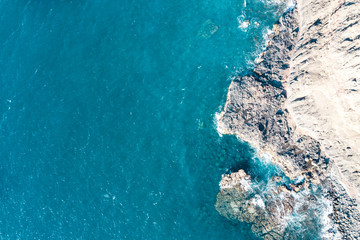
(324, 83)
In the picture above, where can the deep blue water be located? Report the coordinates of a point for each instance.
(107, 116)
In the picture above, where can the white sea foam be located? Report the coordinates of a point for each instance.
(329, 229)
(266, 158)
(299, 179)
(267, 36)
(220, 129)
(243, 23)
(278, 2)
(245, 184)
(290, 5)
(257, 200)
(266, 33)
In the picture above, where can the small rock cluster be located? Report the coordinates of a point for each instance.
(238, 200)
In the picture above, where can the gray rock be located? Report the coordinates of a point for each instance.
(267, 211)
(256, 111)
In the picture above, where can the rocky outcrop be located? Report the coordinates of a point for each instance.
(275, 211)
(237, 200)
(274, 106)
(255, 109)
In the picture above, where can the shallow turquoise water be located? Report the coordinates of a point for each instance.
(107, 110)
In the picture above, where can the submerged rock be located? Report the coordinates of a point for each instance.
(207, 29)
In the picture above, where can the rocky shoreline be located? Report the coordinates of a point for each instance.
(277, 210)
(257, 112)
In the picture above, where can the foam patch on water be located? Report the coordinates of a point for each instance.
(299, 179)
(290, 5)
(257, 200)
(280, 2)
(220, 128)
(329, 230)
(266, 158)
(266, 36)
(243, 23)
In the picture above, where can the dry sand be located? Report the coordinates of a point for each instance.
(323, 88)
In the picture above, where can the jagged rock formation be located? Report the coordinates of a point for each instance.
(275, 211)
(237, 200)
(301, 103)
(255, 109)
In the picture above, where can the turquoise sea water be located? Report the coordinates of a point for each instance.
(107, 109)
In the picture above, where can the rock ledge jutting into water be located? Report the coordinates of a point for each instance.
(237, 200)
(301, 105)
